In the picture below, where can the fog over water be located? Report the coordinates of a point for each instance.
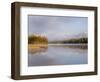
(58, 55)
(57, 28)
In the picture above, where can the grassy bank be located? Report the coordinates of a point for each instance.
(37, 47)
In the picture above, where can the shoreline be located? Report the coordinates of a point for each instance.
(70, 44)
(81, 46)
(39, 47)
(33, 48)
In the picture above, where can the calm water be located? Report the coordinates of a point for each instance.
(58, 55)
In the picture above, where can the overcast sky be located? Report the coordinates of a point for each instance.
(57, 27)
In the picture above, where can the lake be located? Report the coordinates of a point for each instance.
(59, 54)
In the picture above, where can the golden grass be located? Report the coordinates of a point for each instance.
(33, 48)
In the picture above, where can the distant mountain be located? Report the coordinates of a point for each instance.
(81, 35)
(68, 37)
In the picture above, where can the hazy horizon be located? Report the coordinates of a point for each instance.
(58, 27)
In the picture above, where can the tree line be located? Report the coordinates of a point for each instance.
(76, 40)
(33, 39)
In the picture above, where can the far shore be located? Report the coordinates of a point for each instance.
(71, 45)
(68, 44)
(41, 47)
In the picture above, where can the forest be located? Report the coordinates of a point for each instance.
(33, 39)
(76, 40)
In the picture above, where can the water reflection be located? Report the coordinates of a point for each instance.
(58, 55)
(39, 50)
